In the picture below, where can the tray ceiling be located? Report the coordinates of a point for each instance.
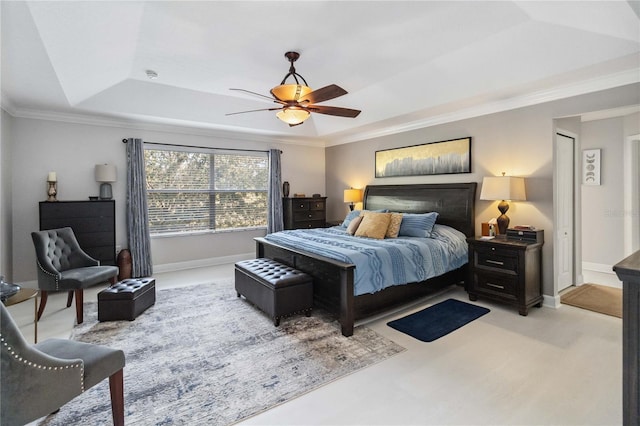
(404, 64)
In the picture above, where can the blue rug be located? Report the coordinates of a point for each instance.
(438, 320)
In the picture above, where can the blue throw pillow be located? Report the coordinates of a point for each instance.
(350, 216)
(417, 225)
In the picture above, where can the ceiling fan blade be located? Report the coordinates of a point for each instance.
(254, 110)
(261, 95)
(324, 94)
(329, 110)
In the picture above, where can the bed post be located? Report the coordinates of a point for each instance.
(347, 315)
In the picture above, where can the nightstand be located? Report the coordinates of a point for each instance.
(507, 270)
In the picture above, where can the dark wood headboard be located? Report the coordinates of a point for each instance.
(454, 202)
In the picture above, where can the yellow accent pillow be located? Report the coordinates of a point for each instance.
(373, 225)
(394, 225)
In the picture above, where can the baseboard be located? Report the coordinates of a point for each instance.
(599, 273)
(551, 301)
(202, 263)
(178, 266)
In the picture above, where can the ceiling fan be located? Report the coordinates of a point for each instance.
(298, 101)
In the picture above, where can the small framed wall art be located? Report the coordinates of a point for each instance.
(435, 158)
(591, 167)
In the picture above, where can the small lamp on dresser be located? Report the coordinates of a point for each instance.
(352, 196)
(105, 174)
(503, 188)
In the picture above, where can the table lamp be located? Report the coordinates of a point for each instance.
(105, 173)
(352, 196)
(503, 188)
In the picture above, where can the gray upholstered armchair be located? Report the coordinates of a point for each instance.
(63, 266)
(37, 380)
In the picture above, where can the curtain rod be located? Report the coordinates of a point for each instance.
(202, 147)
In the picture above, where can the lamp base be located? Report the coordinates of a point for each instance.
(105, 191)
(351, 206)
(503, 224)
(503, 219)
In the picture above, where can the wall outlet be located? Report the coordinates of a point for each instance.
(118, 248)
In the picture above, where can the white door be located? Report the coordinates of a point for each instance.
(564, 226)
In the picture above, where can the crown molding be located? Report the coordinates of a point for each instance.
(199, 129)
(610, 113)
(188, 128)
(7, 105)
(622, 78)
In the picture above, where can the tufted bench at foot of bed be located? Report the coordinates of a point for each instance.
(276, 289)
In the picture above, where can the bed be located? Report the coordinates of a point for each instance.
(333, 280)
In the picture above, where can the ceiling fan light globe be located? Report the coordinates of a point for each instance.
(293, 116)
(290, 92)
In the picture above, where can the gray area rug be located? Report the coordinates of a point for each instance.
(201, 355)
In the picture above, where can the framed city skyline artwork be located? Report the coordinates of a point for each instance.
(435, 158)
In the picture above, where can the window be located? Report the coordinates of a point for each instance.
(196, 190)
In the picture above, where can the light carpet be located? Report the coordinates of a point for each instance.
(201, 355)
(594, 297)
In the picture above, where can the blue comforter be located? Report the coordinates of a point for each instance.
(382, 263)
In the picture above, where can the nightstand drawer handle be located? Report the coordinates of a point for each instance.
(495, 262)
(501, 287)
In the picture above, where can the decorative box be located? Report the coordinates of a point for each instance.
(529, 235)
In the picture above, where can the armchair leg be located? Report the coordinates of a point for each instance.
(69, 298)
(43, 302)
(116, 387)
(79, 308)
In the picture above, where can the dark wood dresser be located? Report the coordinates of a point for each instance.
(93, 223)
(304, 212)
(628, 271)
(507, 270)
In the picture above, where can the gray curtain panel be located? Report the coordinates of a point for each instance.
(137, 216)
(275, 221)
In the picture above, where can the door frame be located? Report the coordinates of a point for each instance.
(577, 218)
(631, 188)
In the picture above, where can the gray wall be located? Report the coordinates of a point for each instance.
(72, 150)
(518, 142)
(602, 206)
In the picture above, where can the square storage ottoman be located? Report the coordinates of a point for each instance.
(276, 289)
(126, 299)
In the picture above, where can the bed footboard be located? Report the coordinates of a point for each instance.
(332, 279)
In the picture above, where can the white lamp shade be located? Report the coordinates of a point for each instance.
(503, 188)
(352, 195)
(105, 173)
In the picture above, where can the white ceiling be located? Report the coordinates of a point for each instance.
(404, 64)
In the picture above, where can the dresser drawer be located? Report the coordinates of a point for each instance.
(316, 205)
(495, 257)
(309, 215)
(496, 284)
(300, 205)
(310, 224)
